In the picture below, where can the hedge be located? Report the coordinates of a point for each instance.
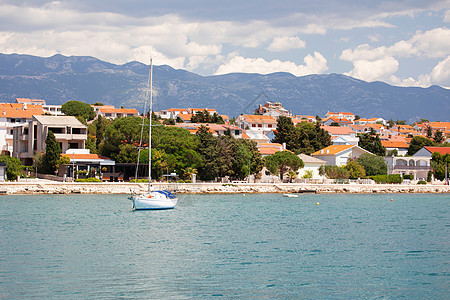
(394, 178)
(90, 179)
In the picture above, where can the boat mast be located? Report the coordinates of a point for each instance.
(150, 128)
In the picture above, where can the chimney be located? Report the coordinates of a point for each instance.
(24, 106)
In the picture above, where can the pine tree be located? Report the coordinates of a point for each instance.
(52, 153)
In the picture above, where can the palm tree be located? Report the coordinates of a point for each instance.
(188, 172)
(291, 175)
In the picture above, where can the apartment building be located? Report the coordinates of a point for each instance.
(29, 138)
(12, 115)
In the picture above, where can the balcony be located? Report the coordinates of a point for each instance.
(69, 137)
(415, 168)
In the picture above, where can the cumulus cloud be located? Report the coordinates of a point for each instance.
(371, 70)
(314, 64)
(286, 43)
(380, 63)
(447, 16)
(441, 73)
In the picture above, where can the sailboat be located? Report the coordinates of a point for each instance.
(152, 199)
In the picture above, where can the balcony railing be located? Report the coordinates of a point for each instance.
(417, 168)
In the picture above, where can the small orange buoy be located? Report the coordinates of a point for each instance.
(392, 199)
(317, 203)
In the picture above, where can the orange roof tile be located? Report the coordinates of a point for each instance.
(333, 149)
(16, 110)
(338, 130)
(260, 119)
(441, 150)
(84, 156)
(394, 144)
(119, 110)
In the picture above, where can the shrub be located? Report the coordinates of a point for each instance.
(394, 178)
(410, 176)
(421, 182)
(91, 179)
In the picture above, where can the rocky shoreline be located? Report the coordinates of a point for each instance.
(12, 188)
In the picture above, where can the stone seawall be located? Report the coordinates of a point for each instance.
(213, 188)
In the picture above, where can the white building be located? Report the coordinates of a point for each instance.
(338, 155)
(312, 164)
(12, 115)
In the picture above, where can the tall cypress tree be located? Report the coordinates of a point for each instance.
(52, 153)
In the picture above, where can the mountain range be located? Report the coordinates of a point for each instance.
(59, 78)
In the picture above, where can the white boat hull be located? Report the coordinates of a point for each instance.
(154, 200)
(290, 195)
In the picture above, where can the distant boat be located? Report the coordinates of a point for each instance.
(290, 195)
(153, 199)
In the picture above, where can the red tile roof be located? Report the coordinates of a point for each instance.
(441, 150)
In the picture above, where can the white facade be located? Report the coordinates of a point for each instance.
(312, 165)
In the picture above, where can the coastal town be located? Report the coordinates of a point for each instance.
(412, 154)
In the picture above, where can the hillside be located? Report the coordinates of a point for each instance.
(58, 79)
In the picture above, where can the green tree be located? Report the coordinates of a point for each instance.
(438, 137)
(180, 147)
(282, 162)
(429, 132)
(373, 165)
(209, 150)
(305, 138)
(334, 172)
(78, 109)
(372, 143)
(417, 143)
(14, 167)
(126, 130)
(438, 162)
(52, 154)
(354, 169)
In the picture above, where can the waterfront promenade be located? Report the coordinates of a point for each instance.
(51, 187)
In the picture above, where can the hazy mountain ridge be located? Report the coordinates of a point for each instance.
(58, 79)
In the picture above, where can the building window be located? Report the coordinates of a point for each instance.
(270, 125)
(107, 115)
(73, 145)
(25, 131)
(259, 125)
(237, 132)
(253, 125)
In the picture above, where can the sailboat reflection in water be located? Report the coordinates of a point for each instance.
(152, 199)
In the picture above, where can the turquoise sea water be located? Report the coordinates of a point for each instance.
(235, 246)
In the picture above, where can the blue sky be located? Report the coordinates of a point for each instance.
(403, 42)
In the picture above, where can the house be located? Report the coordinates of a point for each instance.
(112, 113)
(193, 111)
(401, 147)
(342, 135)
(340, 121)
(216, 129)
(428, 151)
(270, 148)
(12, 115)
(54, 110)
(83, 160)
(29, 138)
(29, 101)
(256, 122)
(338, 155)
(311, 164)
(274, 109)
(3, 172)
(364, 121)
(172, 113)
(417, 165)
(341, 115)
(303, 118)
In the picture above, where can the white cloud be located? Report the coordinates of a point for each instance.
(237, 64)
(372, 70)
(286, 43)
(447, 16)
(441, 73)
